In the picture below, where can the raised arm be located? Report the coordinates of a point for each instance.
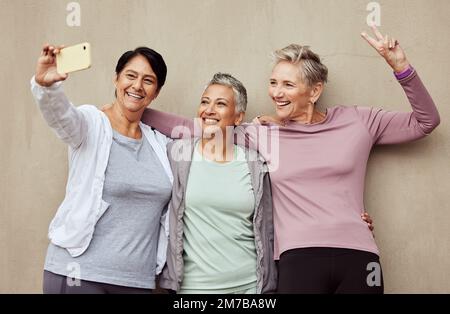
(68, 122)
(388, 127)
(169, 124)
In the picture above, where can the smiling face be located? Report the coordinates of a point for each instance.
(136, 85)
(289, 93)
(217, 109)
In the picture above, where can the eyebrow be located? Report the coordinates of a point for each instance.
(224, 99)
(285, 81)
(145, 75)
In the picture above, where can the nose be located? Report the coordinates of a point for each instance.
(137, 84)
(210, 108)
(277, 92)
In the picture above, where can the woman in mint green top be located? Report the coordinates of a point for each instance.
(219, 242)
(221, 228)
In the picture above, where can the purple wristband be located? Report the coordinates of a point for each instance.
(405, 73)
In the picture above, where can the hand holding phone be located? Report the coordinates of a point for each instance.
(46, 73)
(53, 65)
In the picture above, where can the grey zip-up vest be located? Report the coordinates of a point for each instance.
(180, 157)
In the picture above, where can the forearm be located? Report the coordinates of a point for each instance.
(423, 106)
(392, 127)
(169, 124)
(68, 123)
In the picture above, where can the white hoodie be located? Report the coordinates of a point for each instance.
(88, 133)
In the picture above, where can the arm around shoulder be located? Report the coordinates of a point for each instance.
(169, 124)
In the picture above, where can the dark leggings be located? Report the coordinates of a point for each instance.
(329, 270)
(57, 284)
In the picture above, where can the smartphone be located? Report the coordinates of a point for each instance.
(74, 58)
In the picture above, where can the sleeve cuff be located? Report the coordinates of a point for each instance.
(55, 86)
(405, 73)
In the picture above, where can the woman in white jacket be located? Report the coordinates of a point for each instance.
(110, 233)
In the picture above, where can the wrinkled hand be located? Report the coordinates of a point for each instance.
(366, 217)
(389, 49)
(264, 120)
(46, 74)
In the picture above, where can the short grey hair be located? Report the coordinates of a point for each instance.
(312, 70)
(240, 93)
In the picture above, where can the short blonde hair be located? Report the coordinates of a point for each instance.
(312, 70)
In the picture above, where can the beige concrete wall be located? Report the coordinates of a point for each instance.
(407, 186)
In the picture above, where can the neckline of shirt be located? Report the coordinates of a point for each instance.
(328, 113)
(125, 139)
(200, 157)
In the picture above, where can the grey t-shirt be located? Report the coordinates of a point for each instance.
(124, 245)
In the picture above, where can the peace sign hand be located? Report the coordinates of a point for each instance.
(389, 49)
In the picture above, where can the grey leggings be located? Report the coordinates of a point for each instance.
(58, 284)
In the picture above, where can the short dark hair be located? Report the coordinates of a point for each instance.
(155, 59)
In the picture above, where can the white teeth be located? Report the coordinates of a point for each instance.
(210, 121)
(284, 103)
(134, 95)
